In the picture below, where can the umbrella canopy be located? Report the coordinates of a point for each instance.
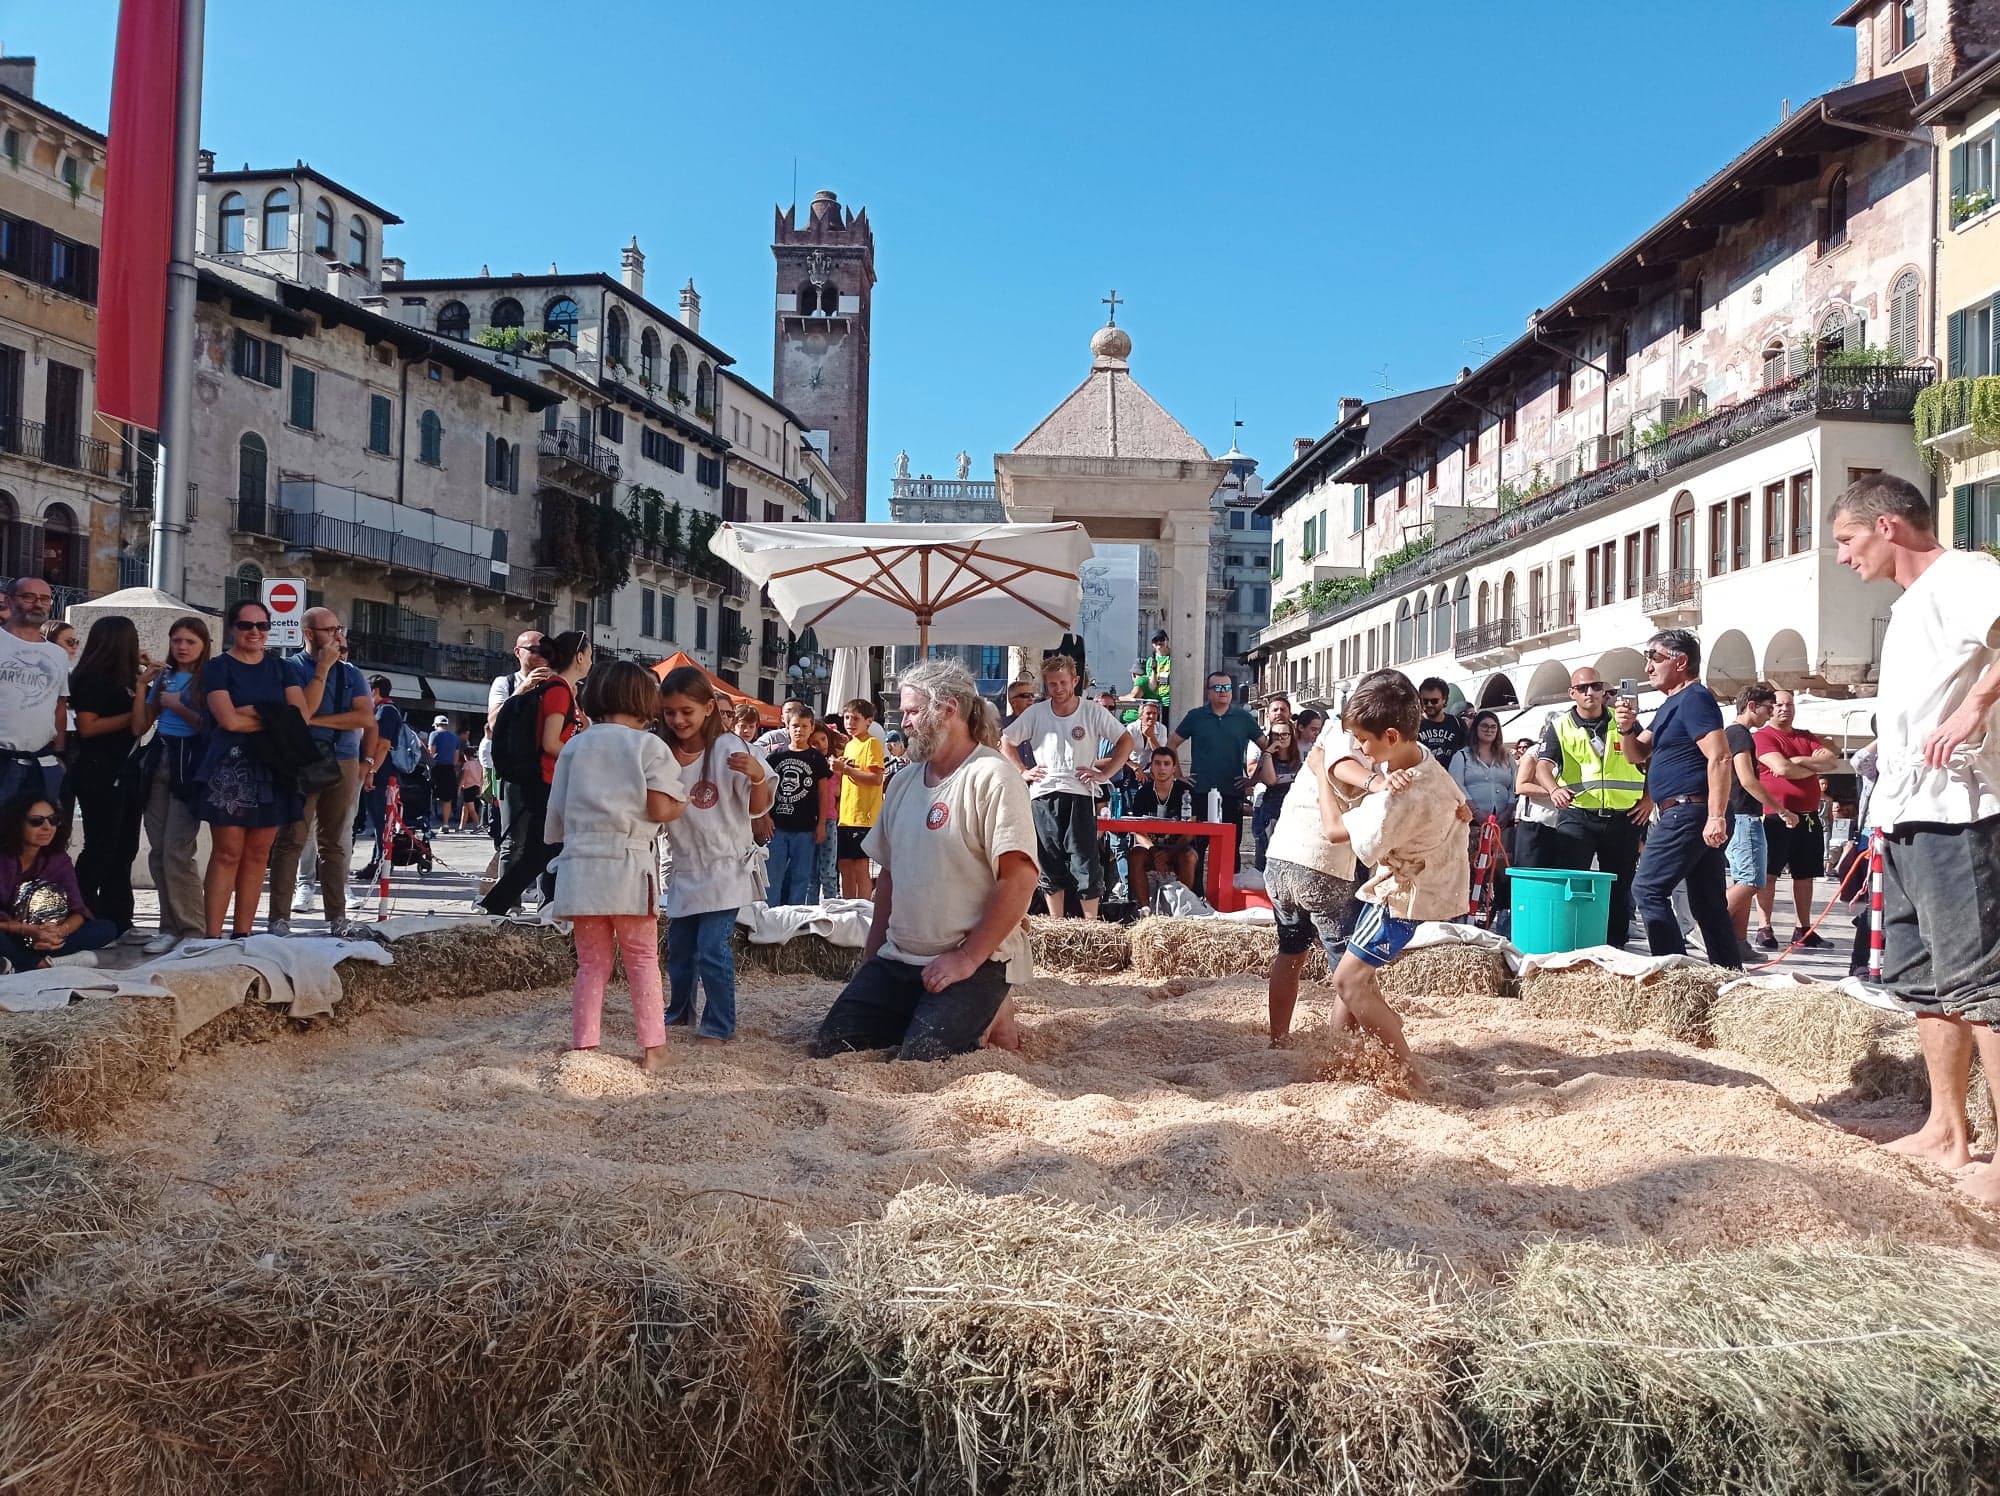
(959, 584)
(767, 714)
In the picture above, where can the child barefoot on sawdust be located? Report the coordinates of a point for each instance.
(1408, 825)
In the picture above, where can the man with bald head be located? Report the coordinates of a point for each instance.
(338, 711)
(1600, 797)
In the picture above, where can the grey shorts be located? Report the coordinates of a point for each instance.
(1941, 919)
(1309, 905)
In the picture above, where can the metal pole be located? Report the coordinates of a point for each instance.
(174, 471)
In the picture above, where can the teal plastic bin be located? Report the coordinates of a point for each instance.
(1556, 909)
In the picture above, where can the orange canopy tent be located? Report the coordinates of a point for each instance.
(767, 714)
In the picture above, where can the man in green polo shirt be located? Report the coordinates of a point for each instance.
(1217, 732)
(1153, 680)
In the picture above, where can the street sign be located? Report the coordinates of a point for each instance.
(285, 600)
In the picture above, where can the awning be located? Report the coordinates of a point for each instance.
(456, 695)
(408, 690)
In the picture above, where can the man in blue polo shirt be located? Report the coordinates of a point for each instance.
(1685, 754)
(1217, 732)
(338, 716)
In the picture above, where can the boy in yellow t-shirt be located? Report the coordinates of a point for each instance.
(860, 772)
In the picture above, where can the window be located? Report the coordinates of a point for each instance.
(357, 243)
(774, 514)
(677, 373)
(647, 602)
(1905, 302)
(1441, 619)
(10, 147)
(1681, 528)
(503, 464)
(603, 601)
(229, 225)
(381, 417)
(653, 444)
(1260, 601)
(1618, 351)
(1650, 547)
(1839, 330)
(255, 358)
(1405, 637)
(1277, 560)
(305, 391)
(1975, 515)
(1420, 615)
(1774, 521)
(252, 465)
(1972, 341)
(666, 615)
(1591, 593)
(323, 222)
(1833, 213)
(1774, 363)
(610, 424)
(277, 230)
(579, 617)
(1607, 563)
(506, 312)
(1909, 23)
(704, 398)
(1802, 513)
(1718, 539)
(1510, 421)
(708, 471)
(1360, 508)
(454, 321)
(1972, 176)
(71, 268)
(430, 439)
(1565, 382)
(700, 627)
(559, 320)
(1692, 298)
(246, 581)
(1260, 521)
(1236, 518)
(1739, 532)
(1431, 475)
(649, 356)
(1631, 566)
(614, 336)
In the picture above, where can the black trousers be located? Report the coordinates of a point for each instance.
(525, 856)
(1583, 837)
(112, 810)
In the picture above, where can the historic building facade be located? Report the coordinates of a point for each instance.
(824, 321)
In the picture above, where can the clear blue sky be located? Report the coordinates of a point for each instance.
(1297, 202)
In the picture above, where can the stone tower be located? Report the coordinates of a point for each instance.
(819, 364)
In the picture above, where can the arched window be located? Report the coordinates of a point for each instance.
(649, 356)
(229, 225)
(277, 231)
(63, 560)
(702, 393)
(1420, 615)
(1833, 213)
(615, 339)
(1405, 640)
(1485, 604)
(1774, 363)
(829, 298)
(1905, 302)
(1683, 532)
(357, 243)
(1508, 599)
(808, 298)
(247, 582)
(323, 225)
(506, 312)
(1441, 621)
(560, 319)
(1832, 336)
(252, 464)
(454, 321)
(677, 372)
(430, 439)
(10, 147)
(1461, 605)
(72, 175)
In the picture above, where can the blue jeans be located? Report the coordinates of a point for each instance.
(91, 935)
(21, 778)
(826, 873)
(793, 873)
(1675, 852)
(698, 945)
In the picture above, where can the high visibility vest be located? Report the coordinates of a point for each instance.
(1609, 784)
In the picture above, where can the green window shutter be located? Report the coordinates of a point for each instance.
(1954, 345)
(1958, 159)
(303, 391)
(489, 459)
(274, 365)
(379, 413)
(1993, 323)
(1961, 516)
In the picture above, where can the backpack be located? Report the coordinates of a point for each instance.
(408, 752)
(517, 739)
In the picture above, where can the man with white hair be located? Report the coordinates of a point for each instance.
(954, 830)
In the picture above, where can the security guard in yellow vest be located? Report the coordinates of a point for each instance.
(1600, 799)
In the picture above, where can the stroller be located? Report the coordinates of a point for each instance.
(410, 845)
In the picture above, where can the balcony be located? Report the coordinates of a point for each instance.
(1497, 642)
(734, 644)
(1551, 620)
(1673, 597)
(1960, 418)
(569, 455)
(356, 527)
(674, 563)
(34, 442)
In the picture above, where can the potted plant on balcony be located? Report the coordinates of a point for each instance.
(1950, 404)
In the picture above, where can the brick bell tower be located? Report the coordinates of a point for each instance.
(819, 363)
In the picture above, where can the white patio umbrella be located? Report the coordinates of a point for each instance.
(960, 584)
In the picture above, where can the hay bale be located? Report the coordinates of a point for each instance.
(1811, 1369)
(53, 1200)
(806, 955)
(535, 1346)
(69, 1070)
(971, 1344)
(1675, 1002)
(467, 962)
(1165, 945)
(1081, 947)
(1451, 970)
(1816, 1031)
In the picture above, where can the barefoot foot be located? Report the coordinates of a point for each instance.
(1983, 1183)
(1934, 1143)
(654, 1058)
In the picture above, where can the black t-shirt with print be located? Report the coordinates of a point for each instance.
(1444, 737)
(1179, 802)
(796, 775)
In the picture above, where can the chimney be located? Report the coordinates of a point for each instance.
(1300, 446)
(18, 73)
(414, 309)
(632, 267)
(1350, 407)
(392, 268)
(691, 306)
(204, 162)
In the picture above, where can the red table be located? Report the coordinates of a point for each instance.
(1222, 892)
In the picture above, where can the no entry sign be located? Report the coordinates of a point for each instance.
(285, 599)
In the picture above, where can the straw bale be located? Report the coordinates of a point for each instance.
(466, 962)
(968, 1343)
(1829, 1370)
(1453, 970)
(1815, 1031)
(1675, 1002)
(1082, 947)
(1167, 945)
(531, 1346)
(70, 1069)
(804, 955)
(54, 1199)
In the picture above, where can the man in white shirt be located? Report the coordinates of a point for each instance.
(34, 697)
(955, 831)
(1936, 804)
(506, 685)
(1066, 732)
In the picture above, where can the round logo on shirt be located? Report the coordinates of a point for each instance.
(938, 814)
(704, 794)
(1077, 732)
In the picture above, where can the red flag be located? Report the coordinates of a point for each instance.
(138, 212)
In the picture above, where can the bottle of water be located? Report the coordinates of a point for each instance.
(1187, 806)
(1215, 805)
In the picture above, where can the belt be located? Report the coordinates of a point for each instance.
(1672, 800)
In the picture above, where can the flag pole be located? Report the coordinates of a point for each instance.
(175, 469)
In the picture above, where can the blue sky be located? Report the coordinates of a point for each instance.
(1295, 201)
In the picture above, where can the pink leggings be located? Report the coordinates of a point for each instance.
(638, 938)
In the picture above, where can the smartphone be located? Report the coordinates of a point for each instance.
(1629, 689)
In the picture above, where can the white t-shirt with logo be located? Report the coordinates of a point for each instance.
(1299, 837)
(941, 845)
(1062, 745)
(1944, 633)
(33, 677)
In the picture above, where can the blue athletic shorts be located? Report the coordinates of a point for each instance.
(1379, 937)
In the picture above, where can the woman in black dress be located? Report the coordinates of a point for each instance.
(243, 803)
(107, 691)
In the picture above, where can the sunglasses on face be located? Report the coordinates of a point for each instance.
(253, 627)
(1590, 687)
(1222, 686)
(41, 820)
(34, 597)
(1660, 656)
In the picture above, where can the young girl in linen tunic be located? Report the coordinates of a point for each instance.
(615, 785)
(718, 867)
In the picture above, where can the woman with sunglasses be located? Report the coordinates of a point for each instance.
(1277, 767)
(242, 801)
(44, 920)
(108, 690)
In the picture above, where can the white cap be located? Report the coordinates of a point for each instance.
(440, 721)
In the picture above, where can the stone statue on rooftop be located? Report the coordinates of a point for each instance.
(902, 464)
(964, 465)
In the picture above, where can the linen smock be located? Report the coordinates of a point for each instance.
(609, 862)
(717, 862)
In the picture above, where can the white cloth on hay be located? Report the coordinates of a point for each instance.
(1854, 987)
(44, 990)
(1610, 958)
(399, 925)
(296, 973)
(842, 922)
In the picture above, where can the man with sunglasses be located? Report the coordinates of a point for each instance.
(1437, 729)
(1688, 774)
(1218, 734)
(34, 697)
(1598, 793)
